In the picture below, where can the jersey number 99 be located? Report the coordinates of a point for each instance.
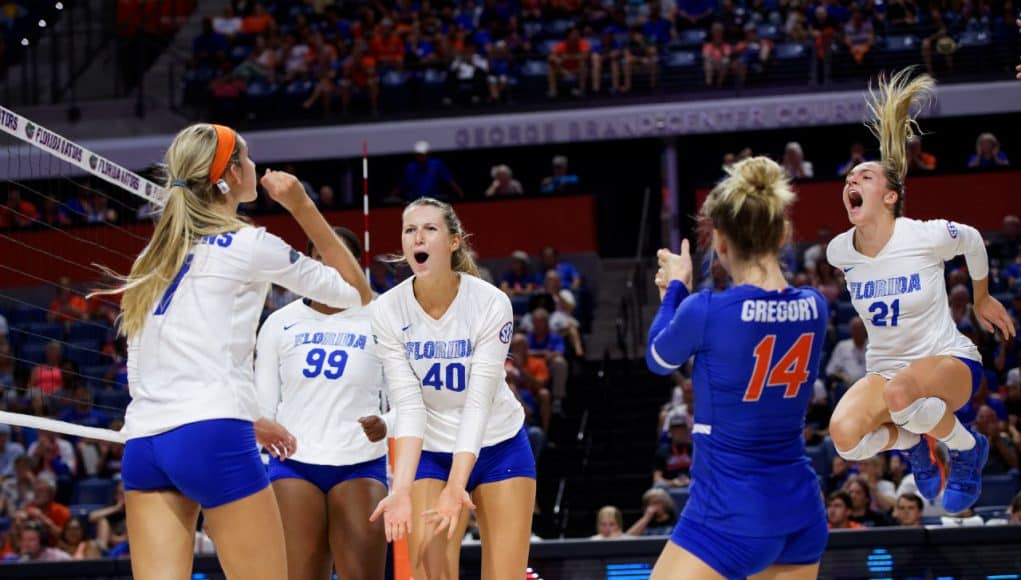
(790, 371)
(331, 365)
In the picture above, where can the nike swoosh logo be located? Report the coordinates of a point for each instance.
(405, 329)
(846, 270)
(289, 325)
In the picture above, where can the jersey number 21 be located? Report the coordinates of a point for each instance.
(790, 371)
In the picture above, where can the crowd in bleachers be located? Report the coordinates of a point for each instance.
(291, 55)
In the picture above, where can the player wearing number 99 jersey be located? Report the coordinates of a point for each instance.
(754, 499)
(317, 373)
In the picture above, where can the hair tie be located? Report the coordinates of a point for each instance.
(179, 183)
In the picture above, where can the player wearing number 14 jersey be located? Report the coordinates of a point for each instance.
(754, 500)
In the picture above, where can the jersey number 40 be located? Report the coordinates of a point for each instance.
(791, 371)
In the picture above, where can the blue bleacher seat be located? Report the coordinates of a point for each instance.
(43, 330)
(112, 401)
(901, 43)
(94, 491)
(998, 490)
(932, 521)
(992, 512)
(5, 524)
(89, 331)
(27, 315)
(84, 352)
(845, 312)
(843, 331)
(820, 463)
(33, 351)
(82, 510)
(790, 51)
(534, 68)
(680, 58)
(974, 38)
(770, 31)
(680, 495)
(691, 37)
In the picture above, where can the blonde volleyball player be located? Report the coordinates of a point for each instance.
(317, 373)
(460, 438)
(920, 368)
(190, 308)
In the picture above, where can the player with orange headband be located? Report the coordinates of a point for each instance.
(190, 308)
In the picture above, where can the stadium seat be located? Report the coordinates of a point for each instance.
(790, 51)
(26, 315)
(769, 31)
(82, 510)
(33, 351)
(901, 43)
(970, 38)
(998, 490)
(89, 331)
(992, 512)
(691, 38)
(820, 463)
(43, 330)
(845, 312)
(680, 59)
(94, 491)
(84, 352)
(5, 524)
(112, 399)
(680, 495)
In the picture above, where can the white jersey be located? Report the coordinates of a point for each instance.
(192, 360)
(446, 377)
(901, 293)
(316, 374)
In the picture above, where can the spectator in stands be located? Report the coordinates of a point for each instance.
(659, 514)
(561, 181)
(467, 77)
(609, 523)
(861, 494)
(17, 492)
(751, 55)
(847, 362)
(75, 543)
(499, 71)
(387, 47)
(111, 522)
(966, 519)
(82, 411)
(67, 305)
(794, 163)
(918, 160)
(1002, 450)
(427, 177)
(672, 462)
(857, 156)
(908, 512)
(569, 59)
(716, 57)
(817, 251)
(210, 47)
(258, 22)
(229, 24)
(939, 41)
(503, 182)
(34, 538)
(987, 153)
(642, 55)
(381, 275)
(563, 322)
(901, 16)
(519, 280)
(550, 260)
(53, 457)
(47, 376)
(54, 213)
(1005, 247)
(18, 212)
(838, 512)
(359, 75)
(682, 401)
(884, 493)
(606, 55)
(534, 378)
(9, 452)
(45, 510)
(960, 304)
(261, 63)
(550, 346)
(10, 549)
(859, 36)
(1015, 506)
(484, 272)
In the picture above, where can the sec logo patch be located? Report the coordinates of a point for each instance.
(506, 332)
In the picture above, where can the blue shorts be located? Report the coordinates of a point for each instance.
(735, 556)
(977, 372)
(507, 459)
(326, 476)
(213, 462)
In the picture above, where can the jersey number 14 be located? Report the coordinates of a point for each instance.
(791, 371)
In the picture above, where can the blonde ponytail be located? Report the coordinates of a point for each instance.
(750, 207)
(892, 106)
(189, 215)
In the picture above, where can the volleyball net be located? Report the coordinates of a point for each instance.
(65, 210)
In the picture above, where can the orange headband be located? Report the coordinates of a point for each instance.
(225, 141)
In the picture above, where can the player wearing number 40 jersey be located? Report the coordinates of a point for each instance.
(755, 506)
(317, 373)
(920, 368)
(443, 336)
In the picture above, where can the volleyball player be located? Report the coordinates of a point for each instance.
(317, 374)
(190, 307)
(460, 438)
(754, 507)
(920, 367)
